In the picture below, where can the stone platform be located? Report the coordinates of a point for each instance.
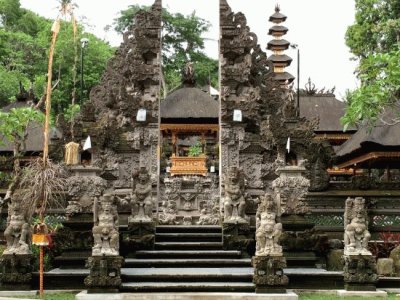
(187, 296)
(367, 294)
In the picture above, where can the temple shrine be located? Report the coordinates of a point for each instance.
(255, 189)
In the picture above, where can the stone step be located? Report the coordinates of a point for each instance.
(187, 274)
(187, 287)
(188, 237)
(188, 246)
(193, 263)
(210, 254)
(188, 229)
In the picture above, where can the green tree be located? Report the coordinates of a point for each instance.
(24, 44)
(374, 40)
(13, 127)
(182, 41)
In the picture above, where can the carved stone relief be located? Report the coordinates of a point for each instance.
(290, 189)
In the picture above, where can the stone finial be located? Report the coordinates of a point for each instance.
(188, 75)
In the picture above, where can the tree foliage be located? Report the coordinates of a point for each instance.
(374, 40)
(183, 41)
(24, 43)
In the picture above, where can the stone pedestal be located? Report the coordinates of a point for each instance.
(360, 273)
(105, 273)
(141, 235)
(16, 271)
(237, 236)
(268, 274)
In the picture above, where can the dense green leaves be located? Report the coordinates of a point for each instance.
(374, 40)
(24, 45)
(13, 124)
(183, 41)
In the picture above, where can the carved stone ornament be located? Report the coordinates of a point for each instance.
(356, 234)
(105, 273)
(141, 198)
(290, 189)
(105, 230)
(84, 187)
(268, 231)
(168, 213)
(360, 272)
(16, 271)
(268, 274)
(234, 201)
(18, 232)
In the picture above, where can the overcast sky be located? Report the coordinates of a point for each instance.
(317, 26)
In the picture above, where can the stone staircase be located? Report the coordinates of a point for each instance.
(188, 259)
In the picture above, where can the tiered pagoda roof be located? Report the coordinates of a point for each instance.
(278, 45)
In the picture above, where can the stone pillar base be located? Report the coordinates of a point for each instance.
(360, 273)
(237, 236)
(141, 236)
(16, 271)
(268, 274)
(105, 273)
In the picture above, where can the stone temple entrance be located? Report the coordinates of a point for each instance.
(189, 172)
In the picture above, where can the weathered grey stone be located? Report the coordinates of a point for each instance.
(335, 260)
(356, 234)
(395, 255)
(384, 266)
(105, 229)
(268, 231)
(367, 294)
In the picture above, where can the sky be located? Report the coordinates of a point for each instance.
(318, 27)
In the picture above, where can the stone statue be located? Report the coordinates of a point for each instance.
(105, 230)
(141, 200)
(234, 202)
(268, 230)
(356, 235)
(18, 232)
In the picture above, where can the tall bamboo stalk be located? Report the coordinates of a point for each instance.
(55, 29)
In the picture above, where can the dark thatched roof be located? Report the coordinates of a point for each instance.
(189, 102)
(35, 139)
(327, 108)
(34, 142)
(379, 136)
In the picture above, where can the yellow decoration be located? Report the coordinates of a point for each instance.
(71, 153)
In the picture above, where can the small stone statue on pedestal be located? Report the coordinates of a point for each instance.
(18, 232)
(359, 265)
(269, 261)
(16, 260)
(105, 230)
(356, 234)
(141, 226)
(105, 262)
(268, 231)
(141, 201)
(234, 202)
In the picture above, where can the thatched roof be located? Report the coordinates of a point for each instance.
(378, 137)
(34, 142)
(327, 108)
(189, 102)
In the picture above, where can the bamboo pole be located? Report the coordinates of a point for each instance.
(55, 29)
